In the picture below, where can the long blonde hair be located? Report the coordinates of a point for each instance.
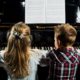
(17, 52)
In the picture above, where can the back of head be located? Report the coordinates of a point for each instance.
(19, 37)
(16, 54)
(66, 33)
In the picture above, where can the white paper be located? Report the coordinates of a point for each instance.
(44, 11)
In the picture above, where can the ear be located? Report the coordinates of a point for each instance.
(58, 43)
(31, 38)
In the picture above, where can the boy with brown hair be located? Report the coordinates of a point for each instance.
(64, 59)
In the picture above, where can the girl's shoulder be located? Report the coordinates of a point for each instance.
(37, 54)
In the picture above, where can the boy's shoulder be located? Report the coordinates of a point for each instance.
(62, 55)
(52, 54)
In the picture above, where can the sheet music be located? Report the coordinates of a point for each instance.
(55, 11)
(34, 11)
(44, 11)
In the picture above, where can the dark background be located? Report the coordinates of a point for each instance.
(71, 10)
(11, 11)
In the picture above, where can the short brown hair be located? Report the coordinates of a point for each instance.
(66, 34)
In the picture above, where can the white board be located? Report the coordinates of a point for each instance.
(44, 11)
